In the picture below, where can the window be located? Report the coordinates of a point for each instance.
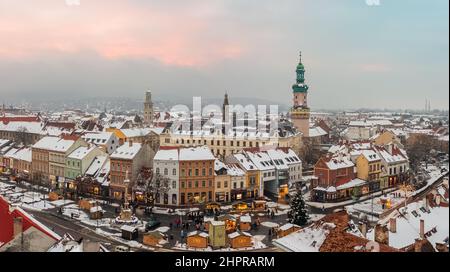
(225, 184)
(166, 171)
(157, 171)
(203, 172)
(196, 184)
(183, 184)
(174, 171)
(196, 172)
(218, 185)
(183, 172)
(210, 171)
(190, 184)
(174, 199)
(203, 183)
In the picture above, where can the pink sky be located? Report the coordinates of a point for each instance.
(115, 29)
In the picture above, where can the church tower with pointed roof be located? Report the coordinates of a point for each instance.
(300, 112)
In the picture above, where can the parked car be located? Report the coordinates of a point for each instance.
(122, 249)
(152, 224)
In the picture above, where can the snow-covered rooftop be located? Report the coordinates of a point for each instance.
(54, 144)
(166, 155)
(308, 239)
(81, 152)
(196, 154)
(126, 151)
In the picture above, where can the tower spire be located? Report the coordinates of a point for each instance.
(300, 57)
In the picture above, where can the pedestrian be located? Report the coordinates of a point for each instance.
(171, 236)
(270, 233)
(273, 214)
(170, 225)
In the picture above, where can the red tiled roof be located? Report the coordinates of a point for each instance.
(339, 240)
(7, 216)
(6, 119)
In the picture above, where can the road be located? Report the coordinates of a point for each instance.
(62, 226)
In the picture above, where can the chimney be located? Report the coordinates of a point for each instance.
(130, 143)
(18, 226)
(425, 202)
(422, 229)
(363, 229)
(393, 225)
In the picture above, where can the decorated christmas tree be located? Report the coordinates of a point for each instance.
(299, 213)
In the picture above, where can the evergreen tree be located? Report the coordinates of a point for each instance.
(299, 213)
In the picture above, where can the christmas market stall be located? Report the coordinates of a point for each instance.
(245, 223)
(259, 205)
(197, 239)
(129, 232)
(287, 229)
(229, 221)
(154, 238)
(96, 212)
(239, 240)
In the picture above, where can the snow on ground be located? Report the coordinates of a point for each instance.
(163, 229)
(83, 217)
(257, 242)
(37, 206)
(118, 237)
(269, 224)
(61, 202)
(316, 217)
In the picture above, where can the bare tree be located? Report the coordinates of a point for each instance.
(22, 135)
(419, 149)
(151, 186)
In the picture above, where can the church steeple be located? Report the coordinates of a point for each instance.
(225, 105)
(300, 112)
(300, 86)
(148, 109)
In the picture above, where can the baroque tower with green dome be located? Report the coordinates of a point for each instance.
(300, 112)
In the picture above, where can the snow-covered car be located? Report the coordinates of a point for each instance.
(122, 249)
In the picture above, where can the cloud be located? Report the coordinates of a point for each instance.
(116, 29)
